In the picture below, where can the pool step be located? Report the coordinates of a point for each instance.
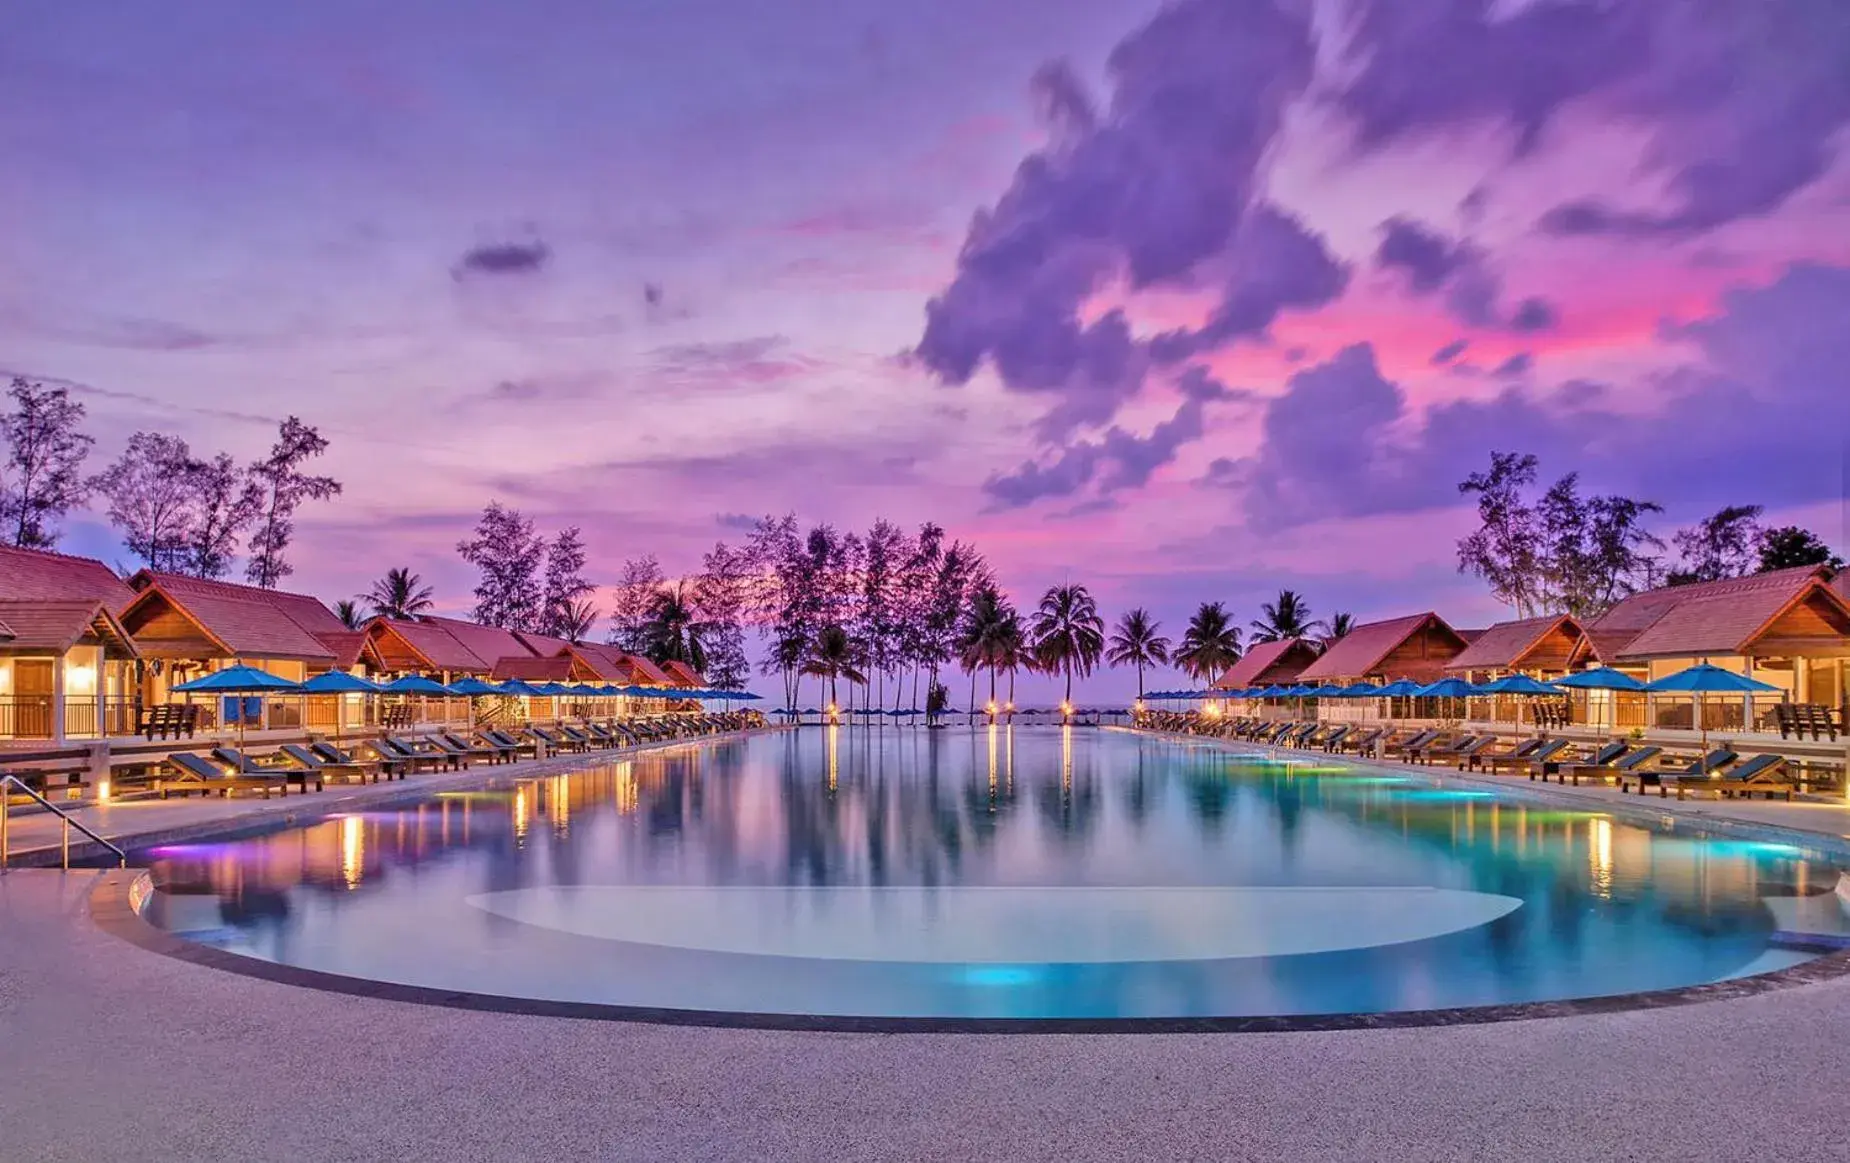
(1816, 942)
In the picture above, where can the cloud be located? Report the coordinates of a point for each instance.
(1515, 366)
(736, 522)
(762, 359)
(1342, 441)
(1118, 459)
(1142, 192)
(1449, 352)
(1431, 263)
(503, 258)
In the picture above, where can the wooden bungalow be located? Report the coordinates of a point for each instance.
(444, 648)
(1790, 628)
(1417, 647)
(682, 675)
(1270, 664)
(187, 627)
(67, 665)
(1539, 647)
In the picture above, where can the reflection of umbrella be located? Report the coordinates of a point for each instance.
(240, 680)
(1703, 679)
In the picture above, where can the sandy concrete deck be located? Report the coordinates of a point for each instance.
(114, 1052)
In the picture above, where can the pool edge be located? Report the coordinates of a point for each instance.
(113, 909)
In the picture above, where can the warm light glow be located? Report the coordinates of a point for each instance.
(102, 791)
(1599, 854)
(1137, 706)
(1212, 710)
(1066, 709)
(991, 708)
(352, 849)
(79, 677)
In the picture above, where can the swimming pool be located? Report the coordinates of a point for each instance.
(1025, 873)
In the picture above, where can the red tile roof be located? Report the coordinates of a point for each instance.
(1619, 632)
(433, 645)
(1724, 624)
(527, 668)
(246, 629)
(305, 611)
(681, 674)
(487, 644)
(1501, 645)
(346, 647)
(542, 645)
(1263, 656)
(31, 575)
(646, 673)
(1363, 650)
(55, 627)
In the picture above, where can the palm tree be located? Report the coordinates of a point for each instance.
(671, 633)
(1338, 626)
(1011, 650)
(348, 611)
(833, 656)
(400, 595)
(1067, 632)
(577, 620)
(1210, 645)
(1288, 617)
(1136, 643)
(986, 625)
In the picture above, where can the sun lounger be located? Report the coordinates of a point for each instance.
(1437, 746)
(517, 746)
(1334, 739)
(1411, 744)
(244, 764)
(1360, 741)
(1761, 773)
(1618, 769)
(1520, 759)
(196, 773)
(400, 752)
(1520, 751)
(483, 745)
(336, 757)
(1664, 777)
(1462, 755)
(583, 740)
(1560, 766)
(303, 757)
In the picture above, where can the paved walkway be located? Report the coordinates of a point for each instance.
(110, 1051)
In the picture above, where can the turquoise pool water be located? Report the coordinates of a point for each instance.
(1024, 873)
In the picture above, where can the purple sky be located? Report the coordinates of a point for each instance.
(1187, 302)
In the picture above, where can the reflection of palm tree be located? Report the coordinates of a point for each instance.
(833, 657)
(400, 595)
(1136, 643)
(1210, 645)
(1288, 617)
(1069, 636)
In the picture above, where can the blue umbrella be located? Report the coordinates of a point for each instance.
(414, 684)
(339, 682)
(472, 686)
(518, 687)
(1361, 690)
(1399, 689)
(1602, 678)
(1448, 688)
(239, 680)
(1704, 679)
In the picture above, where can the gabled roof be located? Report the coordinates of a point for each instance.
(527, 668)
(240, 628)
(1365, 648)
(33, 575)
(542, 645)
(645, 672)
(1502, 646)
(432, 646)
(346, 647)
(1255, 666)
(681, 674)
(1729, 623)
(54, 627)
(1615, 633)
(487, 644)
(305, 611)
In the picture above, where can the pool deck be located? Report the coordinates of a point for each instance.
(113, 1051)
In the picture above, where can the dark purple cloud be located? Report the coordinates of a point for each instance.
(1433, 263)
(1515, 366)
(503, 258)
(1116, 460)
(1449, 352)
(1342, 441)
(1147, 191)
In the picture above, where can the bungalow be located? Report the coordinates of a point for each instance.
(1538, 647)
(1417, 647)
(67, 665)
(447, 648)
(682, 675)
(1276, 663)
(1790, 628)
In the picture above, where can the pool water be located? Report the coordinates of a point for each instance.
(997, 873)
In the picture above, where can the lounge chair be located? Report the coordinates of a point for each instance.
(334, 756)
(196, 773)
(1361, 741)
(1761, 773)
(1619, 768)
(1664, 777)
(517, 746)
(1439, 744)
(1519, 752)
(1558, 767)
(554, 741)
(352, 771)
(1520, 759)
(244, 764)
(483, 745)
(584, 740)
(1335, 738)
(1462, 755)
(1412, 743)
(412, 758)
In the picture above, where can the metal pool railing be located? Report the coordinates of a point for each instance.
(67, 820)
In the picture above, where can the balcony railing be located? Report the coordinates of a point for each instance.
(85, 717)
